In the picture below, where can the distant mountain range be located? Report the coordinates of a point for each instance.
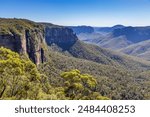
(108, 29)
(54, 49)
(141, 49)
(82, 29)
(129, 40)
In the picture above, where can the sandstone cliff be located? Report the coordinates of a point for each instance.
(61, 36)
(24, 37)
(30, 38)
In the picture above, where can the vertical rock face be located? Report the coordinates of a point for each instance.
(12, 42)
(34, 40)
(30, 43)
(133, 34)
(62, 36)
(29, 40)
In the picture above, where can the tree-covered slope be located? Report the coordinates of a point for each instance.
(141, 49)
(99, 55)
(20, 79)
(116, 37)
(113, 82)
(56, 49)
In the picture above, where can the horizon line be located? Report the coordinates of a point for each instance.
(59, 24)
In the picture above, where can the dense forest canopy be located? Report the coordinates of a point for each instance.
(36, 64)
(20, 79)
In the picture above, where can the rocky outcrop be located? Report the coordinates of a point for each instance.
(82, 29)
(61, 36)
(133, 34)
(33, 45)
(30, 38)
(12, 42)
(29, 41)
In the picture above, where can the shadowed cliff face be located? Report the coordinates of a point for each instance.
(133, 34)
(33, 45)
(63, 37)
(27, 37)
(30, 43)
(12, 42)
(24, 40)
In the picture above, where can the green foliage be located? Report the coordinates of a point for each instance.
(112, 81)
(100, 55)
(116, 76)
(19, 79)
(10, 26)
(80, 86)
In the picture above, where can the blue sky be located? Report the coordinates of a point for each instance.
(79, 12)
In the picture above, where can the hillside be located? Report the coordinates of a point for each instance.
(116, 37)
(23, 36)
(82, 29)
(62, 36)
(133, 34)
(105, 40)
(104, 37)
(55, 49)
(20, 80)
(108, 29)
(141, 49)
(113, 82)
(64, 40)
(104, 56)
